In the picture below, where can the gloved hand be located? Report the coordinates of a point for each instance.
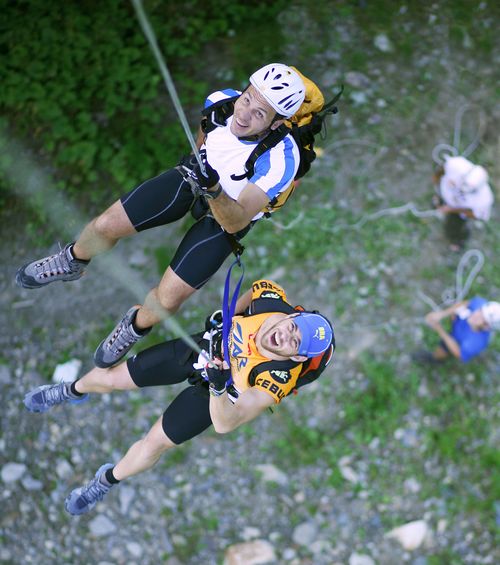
(217, 377)
(209, 178)
(214, 321)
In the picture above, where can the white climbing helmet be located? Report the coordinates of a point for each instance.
(491, 313)
(464, 174)
(475, 179)
(281, 86)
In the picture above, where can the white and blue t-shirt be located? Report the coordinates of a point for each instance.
(273, 171)
(471, 343)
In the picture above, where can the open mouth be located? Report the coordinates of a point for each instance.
(239, 124)
(274, 339)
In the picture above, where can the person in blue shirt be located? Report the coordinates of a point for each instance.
(471, 327)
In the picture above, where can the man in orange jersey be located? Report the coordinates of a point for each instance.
(269, 344)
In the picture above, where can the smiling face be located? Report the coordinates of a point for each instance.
(252, 114)
(279, 337)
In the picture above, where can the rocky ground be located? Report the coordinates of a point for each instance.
(281, 490)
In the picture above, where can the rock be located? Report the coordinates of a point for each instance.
(304, 534)
(358, 97)
(383, 43)
(173, 561)
(5, 375)
(420, 561)
(63, 469)
(29, 483)
(249, 533)
(138, 259)
(357, 79)
(289, 553)
(101, 526)
(126, 495)
(67, 372)
(360, 559)
(134, 549)
(12, 472)
(250, 553)
(347, 472)
(272, 474)
(412, 485)
(410, 535)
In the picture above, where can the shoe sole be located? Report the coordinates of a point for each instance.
(32, 285)
(99, 361)
(43, 409)
(78, 491)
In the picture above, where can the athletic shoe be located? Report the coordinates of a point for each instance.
(81, 500)
(119, 341)
(61, 266)
(42, 398)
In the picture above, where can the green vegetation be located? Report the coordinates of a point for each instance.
(81, 91)
(81, 88)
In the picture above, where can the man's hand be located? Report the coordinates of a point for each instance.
(207, 179)
(433, 318)
(217, 377)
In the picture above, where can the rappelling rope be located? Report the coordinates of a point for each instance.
(450, 296)
(454, 150)
(169, 83)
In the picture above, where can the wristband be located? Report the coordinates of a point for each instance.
(214, 392)
(211, 195)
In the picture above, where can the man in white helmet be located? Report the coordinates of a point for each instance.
(471, 327)
(464, 193)
(235, 203)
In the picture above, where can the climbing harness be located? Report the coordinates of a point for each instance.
(228, 309)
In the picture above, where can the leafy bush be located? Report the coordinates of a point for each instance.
(81, 88)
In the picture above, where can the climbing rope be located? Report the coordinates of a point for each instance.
(451, 295)
(169, 83)
(454, 150)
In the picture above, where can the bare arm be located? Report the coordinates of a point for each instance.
(243, 302)
(234, 215)
(433, 319)
(451, 210)
(227, 416)
(449, 341)
(436, 317)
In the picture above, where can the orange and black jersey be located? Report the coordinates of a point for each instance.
(268, 298)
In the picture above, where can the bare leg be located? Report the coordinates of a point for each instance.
(143, 454)
(106, 380)
(102, 233)
(165, 299)
(440, 354)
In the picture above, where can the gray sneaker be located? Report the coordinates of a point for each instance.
(83, 499)
(119, 341)
(42, 398)
(61, 266)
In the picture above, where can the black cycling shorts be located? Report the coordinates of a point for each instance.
(167, 198)
(188, 415)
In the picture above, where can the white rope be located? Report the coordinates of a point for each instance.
(454, 150)
(151, 37)
(452, 295)
(396, 211)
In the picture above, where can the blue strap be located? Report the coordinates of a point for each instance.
(228, 310)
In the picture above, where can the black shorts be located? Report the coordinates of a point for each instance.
(167, 198)
(168, 363)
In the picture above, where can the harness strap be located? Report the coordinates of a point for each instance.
(228, 309)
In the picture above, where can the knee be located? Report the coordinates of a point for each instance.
(156, 442)
(105, 225)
